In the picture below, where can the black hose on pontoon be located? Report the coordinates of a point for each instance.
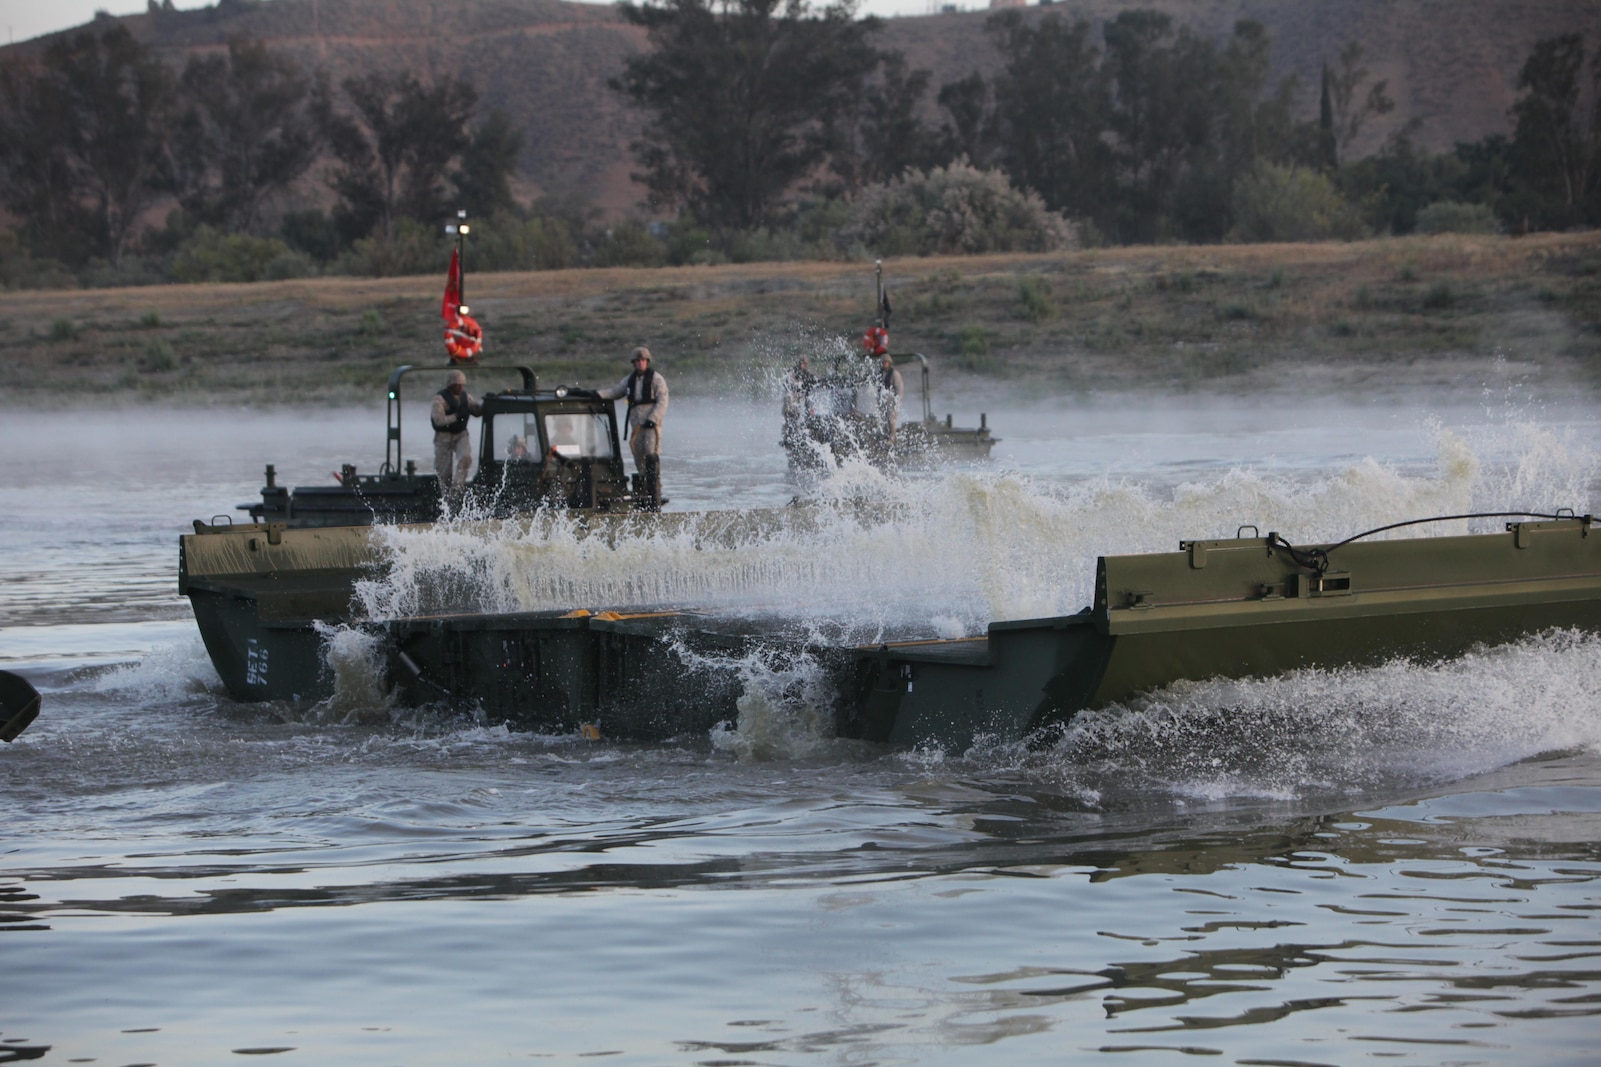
(1317, 559)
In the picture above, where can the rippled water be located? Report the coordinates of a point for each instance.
(1395, 865)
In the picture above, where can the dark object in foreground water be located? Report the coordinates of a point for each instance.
(1231, 608)
(19, 705)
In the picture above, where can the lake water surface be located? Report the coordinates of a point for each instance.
(1397, 865)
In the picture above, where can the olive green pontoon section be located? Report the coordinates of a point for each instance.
(1234, 609)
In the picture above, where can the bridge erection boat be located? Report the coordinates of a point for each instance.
(851, 408)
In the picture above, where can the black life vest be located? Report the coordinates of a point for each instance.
(647, 394)
(456, 409)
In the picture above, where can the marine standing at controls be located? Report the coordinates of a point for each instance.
(453, 446)
(646, 392)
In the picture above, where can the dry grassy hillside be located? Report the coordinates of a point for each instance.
(1451, 64)
(1286, 323)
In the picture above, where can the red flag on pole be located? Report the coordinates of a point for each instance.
(451, 310)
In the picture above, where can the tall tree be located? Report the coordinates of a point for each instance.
(36, 172)
(395, 149)
(248, 132)
(879, 134)
(1351, 112)
(1051, 109)
(1253, 123)
(1556, 142)
(1164, 109)
(1240, 124)
(104, 106)
(1328, 147)
(735, 91)
(965, 102)
(483, 183)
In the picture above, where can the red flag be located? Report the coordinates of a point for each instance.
(451, 310)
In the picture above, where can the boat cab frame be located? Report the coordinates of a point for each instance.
(538, 448)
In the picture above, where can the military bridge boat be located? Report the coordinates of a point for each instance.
(265, 594)
(842, 412)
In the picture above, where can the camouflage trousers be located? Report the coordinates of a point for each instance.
(453, 459)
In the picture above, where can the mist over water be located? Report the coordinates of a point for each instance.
(1316, 868)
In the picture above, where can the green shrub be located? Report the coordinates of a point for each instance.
(507, 241)
(955, 210)
(312, 232)
(1449, 216)
(20, 270)
(290, 264)
(150, 319)
(550, 245)
(414, 249)
(209, 255)
(372, 323)
(159, 356)
(1440, 296)
(1274, 203)
(1034, 294)
(63, 330)
(629, 244)
(972, 341)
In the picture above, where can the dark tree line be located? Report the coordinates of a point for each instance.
(99, 131)
(1143, 133)
(84, 143)
(764, 118)
(1146, 130)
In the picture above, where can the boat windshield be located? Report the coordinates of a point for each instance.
(516, 439)
(576, 434)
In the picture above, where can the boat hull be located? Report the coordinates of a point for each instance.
(1241, 608)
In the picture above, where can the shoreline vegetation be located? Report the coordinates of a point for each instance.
(1446, 312)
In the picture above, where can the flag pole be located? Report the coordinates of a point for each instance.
(459, 229)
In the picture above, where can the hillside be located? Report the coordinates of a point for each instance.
(1285, 324)
(1451, 64)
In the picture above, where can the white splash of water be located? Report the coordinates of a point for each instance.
(1350, 730)
(355, 658)
(785, 707)
(936, 556)
(165, 674)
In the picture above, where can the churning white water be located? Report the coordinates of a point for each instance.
(934, 554)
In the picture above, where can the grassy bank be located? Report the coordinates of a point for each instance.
(1432, 312)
